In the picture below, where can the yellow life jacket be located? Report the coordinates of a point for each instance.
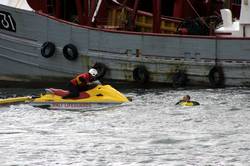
(189, 103)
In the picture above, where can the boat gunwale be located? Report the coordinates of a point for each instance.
(218, 37)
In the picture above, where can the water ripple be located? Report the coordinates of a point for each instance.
(167, 141)
(151, 130)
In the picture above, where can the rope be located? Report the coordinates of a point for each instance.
(191, 5)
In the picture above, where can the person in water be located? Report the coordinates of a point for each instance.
(80, 83)
(186, 99)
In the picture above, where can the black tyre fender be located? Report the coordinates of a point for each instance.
(216, 77)
(101, 69)
(70, 52)
(141, 74)
(179, 79)
(48, 49)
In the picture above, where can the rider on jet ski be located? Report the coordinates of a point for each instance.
(80, 83)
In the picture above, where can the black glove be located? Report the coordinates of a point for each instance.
(93, 79)
(83, 81)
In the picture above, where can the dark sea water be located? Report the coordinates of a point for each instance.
(149, 131)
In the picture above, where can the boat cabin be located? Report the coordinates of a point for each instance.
(196, 17)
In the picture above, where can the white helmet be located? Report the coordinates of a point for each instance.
(93, 72)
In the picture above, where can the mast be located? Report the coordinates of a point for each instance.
(178, 8)
(156, 16)
(58, 9)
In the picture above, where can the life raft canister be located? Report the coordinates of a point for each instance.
(48, 49)
(141, 74)
(216, 77)
(179, 79)
(101, 69)
(70, 52)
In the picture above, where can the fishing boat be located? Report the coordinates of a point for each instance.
(97, 97)
(177, 42)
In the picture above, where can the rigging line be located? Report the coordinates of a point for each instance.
(191, 5)
(96, 10)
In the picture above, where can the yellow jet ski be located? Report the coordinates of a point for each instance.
(12, 100)
(101, 95)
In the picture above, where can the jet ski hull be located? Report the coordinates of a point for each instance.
(74, 106)
(100, 97)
